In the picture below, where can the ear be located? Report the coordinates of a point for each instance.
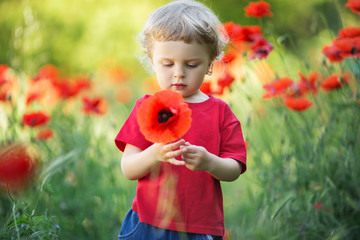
(209, 72)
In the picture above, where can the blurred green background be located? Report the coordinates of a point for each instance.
(81, 35)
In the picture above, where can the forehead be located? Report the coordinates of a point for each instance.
(179, 49)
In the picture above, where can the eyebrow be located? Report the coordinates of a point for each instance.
(187, 60)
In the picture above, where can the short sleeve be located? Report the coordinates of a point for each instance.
(232, 140)
(130, 131)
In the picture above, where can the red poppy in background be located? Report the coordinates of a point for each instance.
(333, 82)
(49, 72)
(258, 9)
(226, 80)
(307, 84)
(17, 167)
(164, 117)
(260, 49)
(94, 105)
(45, 134)
(297, 104)
(5, 84)
(277, 87)
(354, 6)
(250, 33)
(333, 53)
(233, 30)
(228, 57)
(3, 69)
(349, 32)
(318, 205)
(206, 88)
(349, 47)
(35, 119)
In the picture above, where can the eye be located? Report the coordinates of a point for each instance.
(193, 65)
(167, 64)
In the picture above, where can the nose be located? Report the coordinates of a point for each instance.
(179, 72)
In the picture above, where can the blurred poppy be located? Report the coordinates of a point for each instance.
(261, 49)
(318, 205)
(307, 84)
(333, 53)
(95, 105)
(354, 6)
(277, 87)
(349, 32)
(206, 88)
(17, 166)
(258, 9)
(44, 134)
(164, 117)
(233, 30)
(333, 82)
(227, 234)
(250, 33)
(6, 84)
(35, 119)
(297, 104)
(228, 57)
(226, 80)
(349, 47)
(49, 72)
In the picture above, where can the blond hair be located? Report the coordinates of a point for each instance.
(184, 20)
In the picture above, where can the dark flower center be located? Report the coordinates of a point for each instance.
(164, 116)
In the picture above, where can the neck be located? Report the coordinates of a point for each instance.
(196, 98)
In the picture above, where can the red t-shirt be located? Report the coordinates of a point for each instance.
(174, 197)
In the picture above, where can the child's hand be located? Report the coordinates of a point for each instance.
(196, 157)
(168, 152)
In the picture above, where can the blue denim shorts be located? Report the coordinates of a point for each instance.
(132, 228)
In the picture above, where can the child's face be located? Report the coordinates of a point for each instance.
(181, 67)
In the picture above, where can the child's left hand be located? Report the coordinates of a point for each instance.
(196, 157)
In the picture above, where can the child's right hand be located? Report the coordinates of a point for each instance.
(168, 152)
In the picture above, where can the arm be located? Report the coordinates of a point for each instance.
(137, 163)
(223, 169)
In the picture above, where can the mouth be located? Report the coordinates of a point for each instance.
(178, 86)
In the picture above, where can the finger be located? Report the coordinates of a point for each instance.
(176, 162)
(175, 145)
(176, 153)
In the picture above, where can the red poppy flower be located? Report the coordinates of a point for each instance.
(17, 167)
(307, 84)
(228, 57)
(333, 53)
(349, 32)
(349, 47)
(318, 205)
(297, 104)
(354, 6)
(250, 33)
(258, 9)
(45, 134)
(35, 119)
(164, 117)
(226, 80)
(3, 69)
(277, 87)
(261, 49)
(206, 88)
(233, 31)
(333, 82)
(49, 72)
(32, 97)
(5, 84)
(93, 105)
